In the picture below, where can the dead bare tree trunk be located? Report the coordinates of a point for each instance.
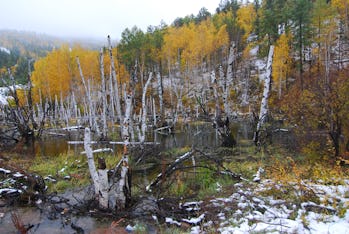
(104, 96)
(100, 177)
(228, 80)
(22, 116)
(144, 109)
(123, 185)
(113, 72)
(160, 93)
(91, 110)
(264, 109)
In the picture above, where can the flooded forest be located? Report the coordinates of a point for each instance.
(232, 122)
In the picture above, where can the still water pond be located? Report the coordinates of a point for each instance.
(198, 135)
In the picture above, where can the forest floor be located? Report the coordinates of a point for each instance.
(273, 207)
(279, 195)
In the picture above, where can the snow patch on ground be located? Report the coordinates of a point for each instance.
(3, 96)
(5, 50)
(270, 215)
(249, 210)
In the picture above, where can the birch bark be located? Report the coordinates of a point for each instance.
(264, 104)
(144, 108)
(104, 96)
(123, 190)
(160, 93)
(113, 72)
(90, 160)
(100, 178)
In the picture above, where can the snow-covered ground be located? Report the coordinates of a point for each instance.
(3, 96)
(5, 50)
(249, 210)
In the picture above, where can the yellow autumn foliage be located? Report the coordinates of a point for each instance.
(281, 63)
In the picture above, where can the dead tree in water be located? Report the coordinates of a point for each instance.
(222, 126)
(104, 96)
(97, 180)
(123, 184)
(117, 194)
(113, 73)
(21, 115)
(144, 110)
(264, 104)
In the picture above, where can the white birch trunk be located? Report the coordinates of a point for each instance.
(103, 195)
(160, 93)
(87, 91)
(122, 186)
(144, 108)
(226, 91)
(264, 104)
(111, 94)
(104, 96)
(154, 112)
(215, 93)
(90, 160)
(100, 178)
(228, 79)
(92, 108)
(113, 72)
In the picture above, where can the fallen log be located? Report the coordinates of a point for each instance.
(114, 142)
(169, 169)
(220, 169)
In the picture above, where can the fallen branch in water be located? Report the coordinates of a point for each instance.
(171, 168)
(17, 222)
(176, 165)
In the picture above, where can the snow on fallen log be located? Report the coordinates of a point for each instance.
(114, 142)
(162, 128)
(100, 150)
(5, 171)
(172, 221)
(56, 134)
(73, 128)
(195, 221)
(7, 191)
(281, 130)
(133, 143)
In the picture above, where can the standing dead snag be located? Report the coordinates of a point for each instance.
(104, 96)
(100, 178)
(22, 116)
(144, 110)
(113, 73)
(123, 185)
(264, 104)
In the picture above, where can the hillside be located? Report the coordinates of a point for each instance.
(16, 47)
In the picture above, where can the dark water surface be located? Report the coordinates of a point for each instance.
(198, 135)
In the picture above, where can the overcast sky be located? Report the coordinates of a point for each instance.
(94, 18)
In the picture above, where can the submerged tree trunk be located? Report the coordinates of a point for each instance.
(264, 109)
